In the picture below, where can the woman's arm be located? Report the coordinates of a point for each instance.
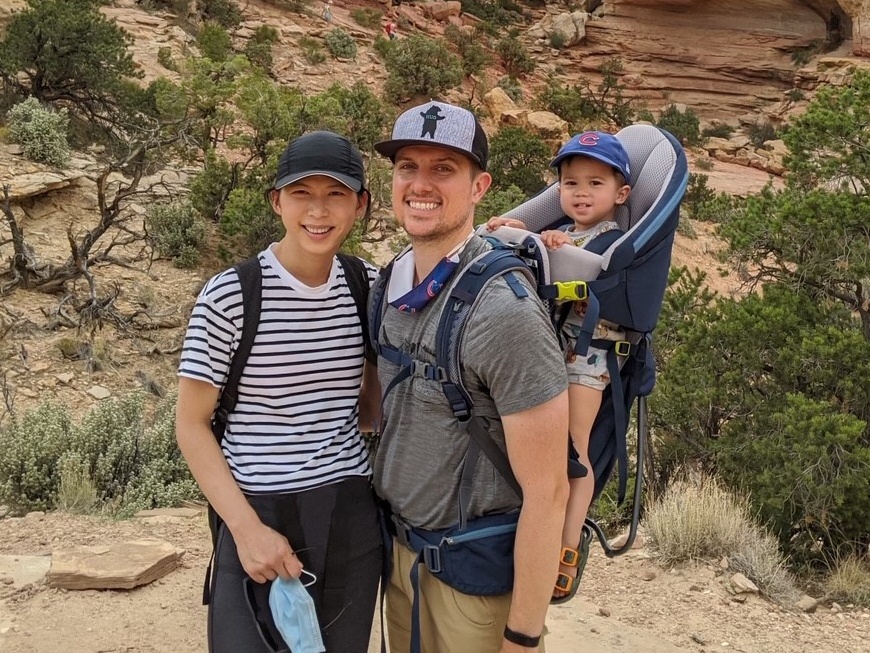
(264, 553)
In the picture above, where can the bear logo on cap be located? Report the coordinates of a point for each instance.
(431, 116)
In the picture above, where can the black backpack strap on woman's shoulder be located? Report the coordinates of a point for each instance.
(251, 280)
(357, 277)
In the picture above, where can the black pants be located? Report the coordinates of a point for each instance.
(334, 529)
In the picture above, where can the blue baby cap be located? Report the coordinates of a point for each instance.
(597, 145)
(295, 617)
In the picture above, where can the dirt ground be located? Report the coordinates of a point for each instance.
(647, 608)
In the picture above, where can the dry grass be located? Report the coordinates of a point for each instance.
(698, 520)
(77, 492)
(849, 582)
(759, 559)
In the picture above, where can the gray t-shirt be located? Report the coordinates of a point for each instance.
(511, 362)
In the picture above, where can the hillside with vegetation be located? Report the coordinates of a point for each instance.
(137, 138)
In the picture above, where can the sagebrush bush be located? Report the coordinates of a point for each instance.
(176, 231)
(31, 448)
(118, 457)
(340, 44)
(41, 132)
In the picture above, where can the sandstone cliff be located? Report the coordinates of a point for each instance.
(721, 58)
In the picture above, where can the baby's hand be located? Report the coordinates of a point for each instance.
(554, 239)
(498, 221)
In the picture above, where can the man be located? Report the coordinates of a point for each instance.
(514, 371)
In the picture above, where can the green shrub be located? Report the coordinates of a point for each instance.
(419, 65)
(514, 56)
(796, 95)
(494, 13)
(512, 87)
(471, 49)
(116, 456)
(40, 131)
(214, 42)
(698, 196)
(164, 58)
(258, 49)
(366, 17)
(518, 157)
(557, 40)
(684, 125)
(384, 46)
(719, 130)
(498, 201)
(760, 132)
(225, 13)
(312, 50)
(30, 451)
(249, 219)
(340, 44)
(210, 188)
(176, 231)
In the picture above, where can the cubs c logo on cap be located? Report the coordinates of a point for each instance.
(590, 139)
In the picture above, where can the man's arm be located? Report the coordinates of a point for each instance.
(537, 442)
(263, 552)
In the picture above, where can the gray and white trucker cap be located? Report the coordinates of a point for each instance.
(441, 125)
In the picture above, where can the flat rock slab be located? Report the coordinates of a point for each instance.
(19, 571)
(115, 566)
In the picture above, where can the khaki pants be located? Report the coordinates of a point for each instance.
(450, 621)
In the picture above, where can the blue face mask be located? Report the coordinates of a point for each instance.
(294, 615)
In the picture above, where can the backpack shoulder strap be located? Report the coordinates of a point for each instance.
(451, 326)
(357, 278)
(376, 306)
(251, 280)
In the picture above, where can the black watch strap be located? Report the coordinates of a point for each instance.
(521, 639)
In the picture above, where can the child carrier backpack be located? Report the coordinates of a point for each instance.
(251, 281)
(625, 285)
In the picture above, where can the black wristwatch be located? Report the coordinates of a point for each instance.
(521, 639)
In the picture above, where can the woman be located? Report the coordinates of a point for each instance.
(290, 479)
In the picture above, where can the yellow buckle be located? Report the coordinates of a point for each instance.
(564, 582)
(622, 347)
(569, 557)
(571, 291)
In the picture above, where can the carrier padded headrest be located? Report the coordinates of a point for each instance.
(653, 161)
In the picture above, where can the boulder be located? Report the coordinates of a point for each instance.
(442, 11)
(548, 125)
(498, 102)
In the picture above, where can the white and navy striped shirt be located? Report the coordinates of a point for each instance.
(295, 425)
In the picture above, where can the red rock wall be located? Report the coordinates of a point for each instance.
(720, 57)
